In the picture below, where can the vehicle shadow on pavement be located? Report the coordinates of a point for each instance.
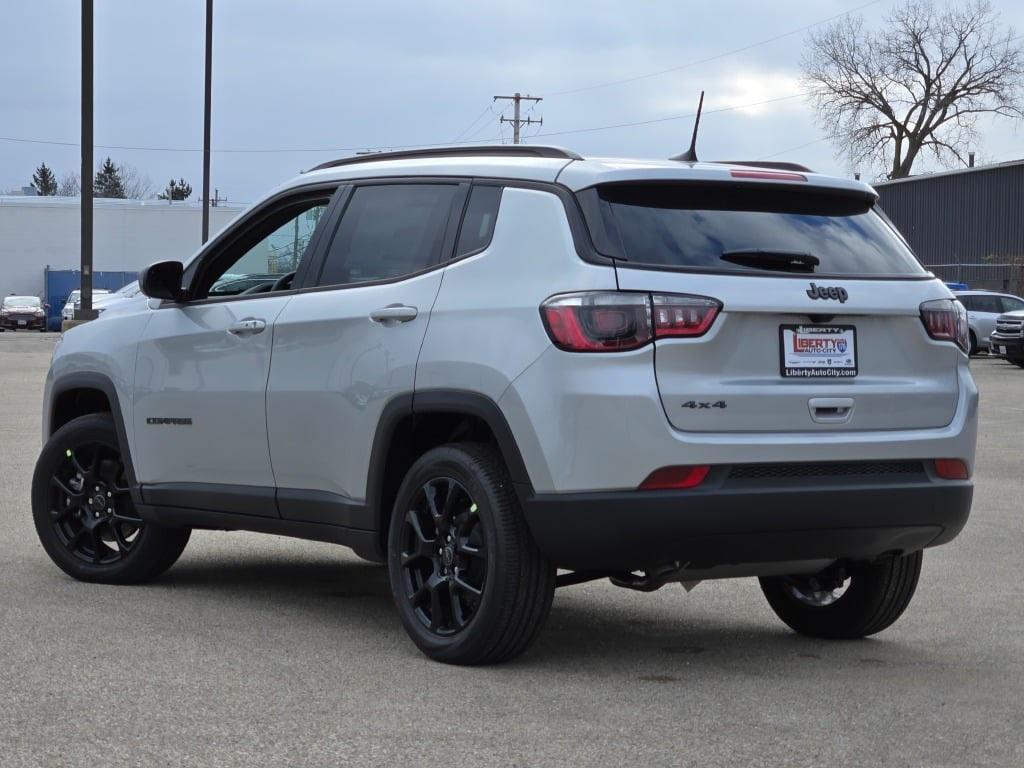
(578, 632)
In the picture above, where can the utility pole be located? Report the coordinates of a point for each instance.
(516, 121)
(206, 122)
(85, 304)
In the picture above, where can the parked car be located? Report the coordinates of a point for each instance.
(22, 313)
(495, 362)
(1008, 338)
(983, 307)
(106, 300)
(75, 300)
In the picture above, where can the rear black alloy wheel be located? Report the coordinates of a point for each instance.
(444, 556)
(854, 601)
(83, 509)
(469, 583)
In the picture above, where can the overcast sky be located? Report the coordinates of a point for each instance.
(336, 76)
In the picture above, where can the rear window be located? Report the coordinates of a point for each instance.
(694, 226)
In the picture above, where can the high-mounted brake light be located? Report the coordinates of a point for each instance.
(770, 175)
(946, 320)
(614, 321)
(951, 469)
(668, 478)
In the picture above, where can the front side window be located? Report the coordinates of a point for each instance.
(264, 255)
(388, 231)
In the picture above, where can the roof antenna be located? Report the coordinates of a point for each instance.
(690, 155)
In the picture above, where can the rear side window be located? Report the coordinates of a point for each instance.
(388, 231)
(712, 227)
(478, 223)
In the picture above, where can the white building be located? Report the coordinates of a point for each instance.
(36, 232)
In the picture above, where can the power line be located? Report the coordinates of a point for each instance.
(363, 147)
(470, 127)
(794, 149)
(716, 57)
(671, 117)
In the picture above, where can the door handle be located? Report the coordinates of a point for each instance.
(247, 327)
(393, 314)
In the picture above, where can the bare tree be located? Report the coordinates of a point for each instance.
(70, 185)
(919, 83)
(136, 185)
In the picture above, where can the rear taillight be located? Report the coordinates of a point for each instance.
(951, 469)
(668, 478)
(946, 320)
(613, 321)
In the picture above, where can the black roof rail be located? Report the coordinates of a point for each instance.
(766, 164)
(495, 150)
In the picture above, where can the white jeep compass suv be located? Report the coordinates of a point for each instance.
(487, 365)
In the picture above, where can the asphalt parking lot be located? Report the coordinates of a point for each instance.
(259, 650)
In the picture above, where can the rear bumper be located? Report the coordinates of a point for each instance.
(764, 523)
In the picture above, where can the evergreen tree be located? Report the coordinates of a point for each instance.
(44, 181)
(176, 190)
(108, 181)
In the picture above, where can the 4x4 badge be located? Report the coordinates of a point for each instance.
(821, 292)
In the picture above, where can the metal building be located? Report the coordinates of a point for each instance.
(966, 225)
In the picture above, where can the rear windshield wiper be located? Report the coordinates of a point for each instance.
(777, 261)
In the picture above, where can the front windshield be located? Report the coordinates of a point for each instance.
(23, 302)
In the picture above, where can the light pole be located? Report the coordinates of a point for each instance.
(206, 121)
(85, 305)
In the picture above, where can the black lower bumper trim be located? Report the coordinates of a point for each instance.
(632, 530)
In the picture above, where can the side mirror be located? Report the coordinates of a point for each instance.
(162, 280)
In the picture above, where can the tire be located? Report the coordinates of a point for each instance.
(876, 595)
(459, 607)
(973, 346)
(1018, 361)
(86, 539)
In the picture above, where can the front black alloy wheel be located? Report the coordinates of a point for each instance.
(469, 583)
(84, 513)
(90, 506)
(443, 556)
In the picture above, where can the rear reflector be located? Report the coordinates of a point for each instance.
(951, 469)
(771, 175)
(675, 477)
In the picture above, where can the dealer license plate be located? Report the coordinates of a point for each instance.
(818, 351)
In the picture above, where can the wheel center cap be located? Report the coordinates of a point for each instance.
(99, 501)
(448, 557)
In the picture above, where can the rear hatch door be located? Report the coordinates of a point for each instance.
(820, 328)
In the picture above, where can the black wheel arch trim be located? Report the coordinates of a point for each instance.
(83, 380)
(462, 402)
